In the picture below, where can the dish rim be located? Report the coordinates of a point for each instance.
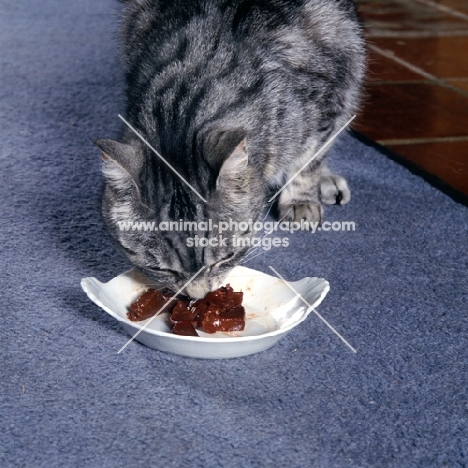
(202, 339)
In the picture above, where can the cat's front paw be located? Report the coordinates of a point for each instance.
(334, 190)
(308, 211)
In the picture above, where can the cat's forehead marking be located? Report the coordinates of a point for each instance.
(162, 158)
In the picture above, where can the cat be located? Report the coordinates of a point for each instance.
(237, 96)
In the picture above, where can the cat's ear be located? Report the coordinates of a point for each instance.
(119, 157)
(235, 164)
(226, 152)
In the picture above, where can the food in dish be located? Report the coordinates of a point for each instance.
(220, 310)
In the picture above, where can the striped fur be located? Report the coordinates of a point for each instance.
(275, 78)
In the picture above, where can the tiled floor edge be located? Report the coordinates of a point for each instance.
(428, 76)
(417, 141)
(414, 169)
(444, 8)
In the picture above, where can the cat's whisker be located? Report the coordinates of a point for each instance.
(250, 257)
(277, 223)
(268, 212)
(255, 256)
(265, 217)
(250, 253)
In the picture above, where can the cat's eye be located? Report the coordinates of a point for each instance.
(168, 272)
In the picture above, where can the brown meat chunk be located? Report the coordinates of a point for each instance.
(148, 304)
(219, 310)
(184, 328)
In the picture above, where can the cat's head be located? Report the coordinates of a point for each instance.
(141, 188)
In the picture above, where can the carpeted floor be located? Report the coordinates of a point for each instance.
(398, 294)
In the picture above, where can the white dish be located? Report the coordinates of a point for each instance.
(272, 311)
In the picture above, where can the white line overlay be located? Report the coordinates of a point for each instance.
(160, 157)
(391, 55)
(161, 309)
(314, 311)
(312, 158)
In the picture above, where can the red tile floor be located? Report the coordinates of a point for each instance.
(416, 96)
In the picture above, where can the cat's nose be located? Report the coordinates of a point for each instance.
(199, 287)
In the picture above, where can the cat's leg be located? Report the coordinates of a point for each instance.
(333, 188)
(303, 197)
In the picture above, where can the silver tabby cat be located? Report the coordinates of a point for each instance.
(236, 95)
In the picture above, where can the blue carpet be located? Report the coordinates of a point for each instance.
(398, 294)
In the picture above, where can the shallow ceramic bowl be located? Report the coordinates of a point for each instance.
(272, 311)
